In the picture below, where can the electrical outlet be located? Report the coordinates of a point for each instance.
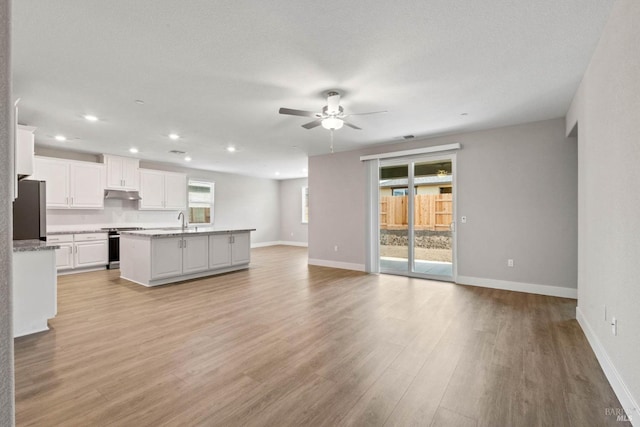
(463, 219)
(335, 248)
(614, 326)
(509, 263)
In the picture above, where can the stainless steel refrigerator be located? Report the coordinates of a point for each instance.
(30, 211)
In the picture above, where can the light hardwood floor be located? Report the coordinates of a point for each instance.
(287, 344)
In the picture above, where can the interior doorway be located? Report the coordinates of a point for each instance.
(416, 217)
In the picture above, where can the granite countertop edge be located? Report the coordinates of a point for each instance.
(58, 233)
(32, 246)
(174, 233)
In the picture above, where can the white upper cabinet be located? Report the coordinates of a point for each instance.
(175, 188)
(87, 185)
(71, 184)
(56, 174)
(24, 150)
(162, 190)
(122, 173)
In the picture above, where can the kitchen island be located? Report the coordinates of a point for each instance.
(158, 257)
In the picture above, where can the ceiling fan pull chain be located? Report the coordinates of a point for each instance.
(331, 141)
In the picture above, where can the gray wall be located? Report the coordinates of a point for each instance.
(240, 202)
(291, 227)
(517, 186)
(607, 110)
(6, 320)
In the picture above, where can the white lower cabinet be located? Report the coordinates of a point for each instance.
(174, 256)
(80, 250)
(64, 256)
(195, 254)
(240, 248)
(91, 254)
(219, 250)
(166, 257)
(229, 249)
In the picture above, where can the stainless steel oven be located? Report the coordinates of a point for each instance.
(114, 244)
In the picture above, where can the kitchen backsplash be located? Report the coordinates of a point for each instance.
(116, 213)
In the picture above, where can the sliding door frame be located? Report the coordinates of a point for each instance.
(375, 215)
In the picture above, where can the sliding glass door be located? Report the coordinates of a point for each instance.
(416, 217)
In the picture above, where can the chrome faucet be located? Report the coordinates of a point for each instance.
(184, 225)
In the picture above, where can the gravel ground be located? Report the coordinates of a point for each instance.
(421, 253)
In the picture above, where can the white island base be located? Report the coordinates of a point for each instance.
(158, 257)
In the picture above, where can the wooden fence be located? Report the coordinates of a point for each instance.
(431, 212)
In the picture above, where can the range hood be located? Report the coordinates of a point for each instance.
(122, 195)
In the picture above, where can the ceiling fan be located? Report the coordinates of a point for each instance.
(332, 116)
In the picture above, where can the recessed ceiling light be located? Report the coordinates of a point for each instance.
(304, 170)
(174, 136)
(60, 138)
(231, 148)
(187, 159)
(277, 173)
(133, 150)
(139, 101)
(90, 118)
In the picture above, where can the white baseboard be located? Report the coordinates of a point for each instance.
(80, 270)
(291, 243)
(554, 291)
(279, 242)
(336, 264)
(264, 244)
(617, 383)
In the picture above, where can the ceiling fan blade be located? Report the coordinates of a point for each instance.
(312, 124)
(351, 125)
(366, 114)
(302, 113)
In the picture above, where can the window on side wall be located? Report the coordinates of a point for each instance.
(201, 202)
(305, 205)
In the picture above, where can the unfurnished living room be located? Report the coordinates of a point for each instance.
(244, 213)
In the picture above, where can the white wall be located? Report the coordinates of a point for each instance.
(240, 202)
(607, 111)
(517, 186)
(6, 319)
(291, 227)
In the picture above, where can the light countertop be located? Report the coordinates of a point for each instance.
(179, 232)
(32, 245)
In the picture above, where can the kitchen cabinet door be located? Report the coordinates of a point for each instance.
(240, 248)
(195, 254)
(64, 256)
(56, 174)
(91, 253)
(151, 189)
(175, 188)
(219, 250)
(130, 173)
(115, 167)
(166, 257)
(87, 185)
(122, 172)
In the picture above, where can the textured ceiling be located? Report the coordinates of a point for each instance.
(216, 72)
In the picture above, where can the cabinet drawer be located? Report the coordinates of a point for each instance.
(86, 237)
(60, 238)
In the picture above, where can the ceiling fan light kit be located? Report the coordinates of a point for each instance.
(332, 123)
